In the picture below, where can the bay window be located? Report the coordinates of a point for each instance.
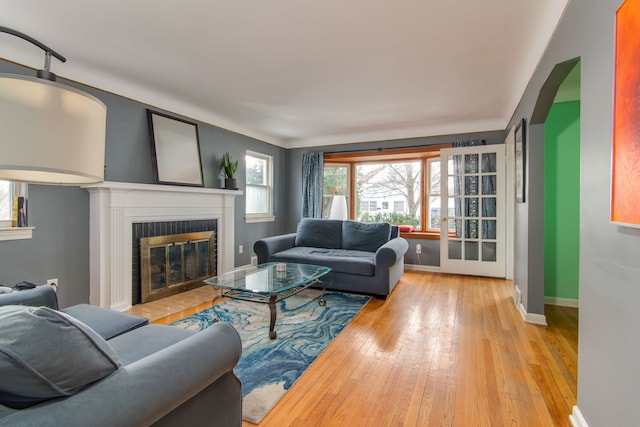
(401, 187)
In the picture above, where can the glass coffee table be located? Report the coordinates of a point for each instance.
(269, 284)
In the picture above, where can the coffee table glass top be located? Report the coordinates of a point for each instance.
(267, 279)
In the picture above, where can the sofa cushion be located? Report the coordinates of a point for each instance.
(46, 354)
(360, 236)
(107, 323)
(339, 260)
(319, 233)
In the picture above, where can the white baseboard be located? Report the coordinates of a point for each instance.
(536, 319)
(417, 267)
(576, 418)
(562, 302)
(517, 295)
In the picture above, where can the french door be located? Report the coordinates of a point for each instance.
(472, 230)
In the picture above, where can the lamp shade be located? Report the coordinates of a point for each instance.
(50, 133)
(338, 208)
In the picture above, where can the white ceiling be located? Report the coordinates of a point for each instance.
(299, 73)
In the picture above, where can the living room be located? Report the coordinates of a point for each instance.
(608, 270)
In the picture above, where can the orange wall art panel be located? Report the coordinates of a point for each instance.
(625, 183)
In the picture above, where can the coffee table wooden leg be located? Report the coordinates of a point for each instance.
(273, 312)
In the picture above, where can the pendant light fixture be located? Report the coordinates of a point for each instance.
(50, 133)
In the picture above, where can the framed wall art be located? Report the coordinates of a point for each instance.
(175, 150)
(625, 172)
(520, 160)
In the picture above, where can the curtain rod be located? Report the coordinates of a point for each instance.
(380, 149)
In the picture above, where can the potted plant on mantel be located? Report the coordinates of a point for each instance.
(229, 170)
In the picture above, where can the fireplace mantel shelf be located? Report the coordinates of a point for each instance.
(125, 186)
(116, 206)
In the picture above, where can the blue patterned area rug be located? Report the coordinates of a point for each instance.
(268, 368)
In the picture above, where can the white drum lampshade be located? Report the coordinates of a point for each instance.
(50, 133)
(338, 208)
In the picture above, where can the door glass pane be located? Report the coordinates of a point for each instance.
(489, 162)
(455, 164)
(471, 163)
(454, 185)
(472, 207)
(489, 251)
(489, 229)
(455, 249)
(455, 225)
(471, 229)
(471, 185)
(489, 207)
(489, 184)
(471, 251)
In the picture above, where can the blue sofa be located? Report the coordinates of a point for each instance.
(89, 366)
(363, 257)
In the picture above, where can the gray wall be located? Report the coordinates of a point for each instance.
(608, 371)
(430, 255)
(60, 244)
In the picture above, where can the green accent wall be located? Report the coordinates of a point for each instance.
(562, 200)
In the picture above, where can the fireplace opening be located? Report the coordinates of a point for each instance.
(175, 263)
(169, 257)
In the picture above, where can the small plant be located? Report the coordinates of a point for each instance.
(228, 167)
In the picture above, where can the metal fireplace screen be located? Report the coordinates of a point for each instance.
(175, 263)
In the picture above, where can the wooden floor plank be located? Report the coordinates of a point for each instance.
(442, 350)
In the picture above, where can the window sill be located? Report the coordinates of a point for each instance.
(427, 235)
(421, 235)
(16, 233)
(259, 218)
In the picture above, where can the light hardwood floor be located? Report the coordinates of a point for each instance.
(442, 350)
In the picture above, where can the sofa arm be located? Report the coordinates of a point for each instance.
(143, 392)
(43, 295)
(268, 246)
(391, 252)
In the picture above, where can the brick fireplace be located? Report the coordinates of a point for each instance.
(115, 207)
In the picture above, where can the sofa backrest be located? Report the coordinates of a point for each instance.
(319, 233)
(338, 234)
(361, 236)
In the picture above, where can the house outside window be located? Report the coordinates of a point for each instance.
(401, 187)
(259, 187)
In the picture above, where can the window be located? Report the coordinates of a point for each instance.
(259, 194)
(335, 200)
(397, 181)
(401, 187)
(9, 190)
(435, 210)
(6, 197)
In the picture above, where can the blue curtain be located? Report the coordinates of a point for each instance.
(470, 204)
(312, 180)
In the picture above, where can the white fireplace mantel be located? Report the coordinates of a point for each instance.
(116, 206)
